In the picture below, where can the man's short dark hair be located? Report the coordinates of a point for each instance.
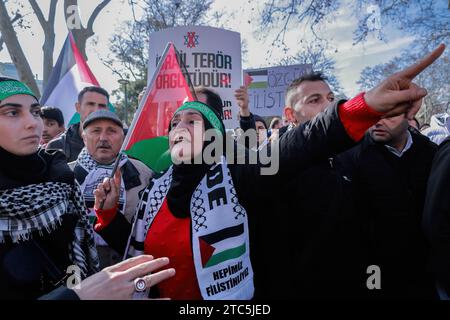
(53, 113)
(93, 89)
(212, 99)
(312, 76)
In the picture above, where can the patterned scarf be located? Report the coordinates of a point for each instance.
(219, 229)
(89, 173)
(40, 208)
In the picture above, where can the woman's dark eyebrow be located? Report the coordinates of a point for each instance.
(10, 104)
(190, 113)
(18, 105)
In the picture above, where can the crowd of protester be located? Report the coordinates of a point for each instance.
(357, 209)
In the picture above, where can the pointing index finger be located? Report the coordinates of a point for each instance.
(412, 71)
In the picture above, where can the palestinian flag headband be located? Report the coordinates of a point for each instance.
(206, 111)
(12, 87)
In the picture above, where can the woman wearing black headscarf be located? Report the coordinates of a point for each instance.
(43, 228)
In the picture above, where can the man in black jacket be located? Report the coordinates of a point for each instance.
(320, 237)
(436, 220)
(389, 172)
(90, 99)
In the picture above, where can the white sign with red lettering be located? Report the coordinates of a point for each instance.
(212, 58)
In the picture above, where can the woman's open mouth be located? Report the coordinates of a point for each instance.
(179, 139)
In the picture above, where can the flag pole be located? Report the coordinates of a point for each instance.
(144, 98)
(137, 114)
(183, 67)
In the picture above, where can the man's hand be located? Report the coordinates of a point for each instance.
(398, 94)
(242, 100)
(107, 192)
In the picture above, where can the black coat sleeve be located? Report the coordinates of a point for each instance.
(116, 233)
(321, 138)
(436, 219)
(247, 123)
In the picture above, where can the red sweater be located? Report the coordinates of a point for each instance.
(168, 237)
(171, 237)
(356, 117)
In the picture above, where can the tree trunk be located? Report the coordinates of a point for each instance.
(82, 34)
(48, 48)
(13, 20)
(49, 35)
(15, 50)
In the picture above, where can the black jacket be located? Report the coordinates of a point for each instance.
(436, 219)
(337, 202)
(389, 194)
(321, 235)
(70, 143)
(25, 271)
(299, 149)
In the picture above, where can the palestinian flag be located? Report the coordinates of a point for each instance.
(147, 139)
(69, 76)
(256, 79)
(222, 245)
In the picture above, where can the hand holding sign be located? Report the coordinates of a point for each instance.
(398, 94)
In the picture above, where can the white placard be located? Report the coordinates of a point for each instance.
(212, 57)
(268, 87)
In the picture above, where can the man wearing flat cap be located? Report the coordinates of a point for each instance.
(103, 136)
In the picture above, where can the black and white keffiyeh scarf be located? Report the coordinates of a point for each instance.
(89, 173)
(39, 209)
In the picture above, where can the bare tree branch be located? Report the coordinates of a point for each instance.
(15, 50)
(38, 12)
(52, 12)
(49, 33)
(95, 13)
(16, 18)
(82, 34)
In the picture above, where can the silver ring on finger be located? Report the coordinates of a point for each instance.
(140, 285)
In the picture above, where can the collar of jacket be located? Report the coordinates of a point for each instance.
(418, 139)
(74, 132)
(130, 175)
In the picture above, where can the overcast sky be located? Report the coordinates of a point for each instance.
(350, 59)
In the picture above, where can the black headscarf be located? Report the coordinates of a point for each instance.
(42, 166)
(21, 170)
(185, 178)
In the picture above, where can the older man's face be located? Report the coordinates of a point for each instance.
(103, 139)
